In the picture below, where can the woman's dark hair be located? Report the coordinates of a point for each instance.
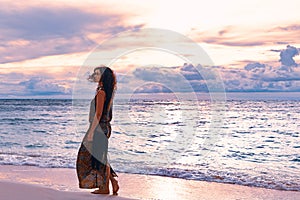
(109, 82)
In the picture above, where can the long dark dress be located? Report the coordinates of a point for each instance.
(91, 164)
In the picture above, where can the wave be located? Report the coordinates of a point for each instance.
(210, 175)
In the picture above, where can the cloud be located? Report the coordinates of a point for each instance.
(253, 77)
(39, 23)
(232, 41)
(229, 36)
(190, 72)
(156, 74)
(234, 36)
(122, 78)
(286, 56)
(33, 32)
(199, 86)
(291, 27)
(23, 85)
(152, 88)
(185, 78)
(261, 77)
(41, 86)
(18, 52)
(12, 77)
(254, 66)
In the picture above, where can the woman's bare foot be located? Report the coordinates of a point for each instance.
(115, 185)
(100, 192)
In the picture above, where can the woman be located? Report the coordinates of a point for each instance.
(93, 169)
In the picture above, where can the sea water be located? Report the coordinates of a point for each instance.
(256, 141)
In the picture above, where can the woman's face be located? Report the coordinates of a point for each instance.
(97, 75)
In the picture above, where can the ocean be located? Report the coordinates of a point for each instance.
(252, 139)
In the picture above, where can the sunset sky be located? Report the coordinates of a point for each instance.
(254, 45)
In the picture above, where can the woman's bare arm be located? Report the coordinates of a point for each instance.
(100, 99)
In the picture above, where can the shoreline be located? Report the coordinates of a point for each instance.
(62, 183)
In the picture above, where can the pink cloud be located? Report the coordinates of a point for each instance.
(243, 37)
(54, 30)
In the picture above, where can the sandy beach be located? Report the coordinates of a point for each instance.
(28, 182)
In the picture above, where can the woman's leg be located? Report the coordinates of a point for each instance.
(104, 189)
(114, 184)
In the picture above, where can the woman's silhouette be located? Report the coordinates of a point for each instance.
(93, 169)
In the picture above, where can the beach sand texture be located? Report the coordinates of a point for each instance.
(33, 183)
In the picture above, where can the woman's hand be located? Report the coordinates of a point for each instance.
(90, 136)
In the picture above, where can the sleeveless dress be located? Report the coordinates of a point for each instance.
(92, 166)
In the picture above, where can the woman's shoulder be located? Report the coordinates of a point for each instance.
(100, 91)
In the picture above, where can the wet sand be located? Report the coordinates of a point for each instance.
(33, 183)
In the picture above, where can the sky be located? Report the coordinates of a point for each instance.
(48, 49)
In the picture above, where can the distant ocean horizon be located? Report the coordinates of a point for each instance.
(257, 143)
(295, 95)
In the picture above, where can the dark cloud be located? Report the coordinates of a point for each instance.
(261, 77)
(156, 74)
(255, 76)
(286, 56)
(293, 27)
(286, 68)
(281, 78)
(152, 88)
(42, 86)
(190, 72)
(24, 85)
(232, 41)
(233, 82)
(254, 66)
(254, 70)
(198, 72)
(199, 86)
(185, 78)
(282, 43)
(122, 78)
